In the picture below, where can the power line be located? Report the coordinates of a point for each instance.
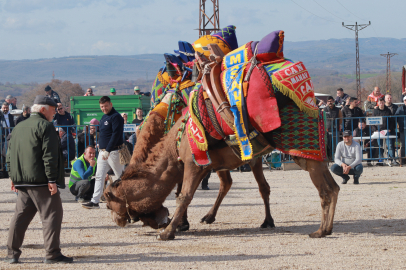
(328, 11)
(311, 12)
(388, 71)
(350, 11)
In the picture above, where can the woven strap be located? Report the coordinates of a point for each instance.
(213, 118)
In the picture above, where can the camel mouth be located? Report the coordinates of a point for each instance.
(156, 219)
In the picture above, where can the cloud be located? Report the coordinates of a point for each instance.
(32, 26)
(23, 6)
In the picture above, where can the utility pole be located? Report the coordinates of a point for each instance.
(357, 27)
(388, 72)
(205, 20)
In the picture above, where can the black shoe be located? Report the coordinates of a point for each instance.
(60, 259)
(345, 180)
(11, 261)
(356, 180)
(394, 163)
(91, 205)
(205, 188)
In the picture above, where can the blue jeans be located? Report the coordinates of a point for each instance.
(338, 170)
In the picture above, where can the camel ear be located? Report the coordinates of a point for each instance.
(116, 183)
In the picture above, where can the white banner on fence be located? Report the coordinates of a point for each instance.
(129, 127)
(371, 121)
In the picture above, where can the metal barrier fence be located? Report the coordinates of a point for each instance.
(377, 145)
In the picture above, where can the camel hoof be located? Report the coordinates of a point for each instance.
(183, 227)
(317, 234)
(208, 219)
(268, 224)
(165, 237)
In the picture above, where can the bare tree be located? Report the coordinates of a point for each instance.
(65, 90)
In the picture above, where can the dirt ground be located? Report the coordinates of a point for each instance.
(369, 229)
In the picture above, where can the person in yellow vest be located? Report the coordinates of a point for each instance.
(81, 183)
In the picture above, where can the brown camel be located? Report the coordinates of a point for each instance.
(151, 183)
(153, 132)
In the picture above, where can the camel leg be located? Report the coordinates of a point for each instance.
(193, 175)
(264, 190)
(184, 224)
(328, 192)
(225, 184)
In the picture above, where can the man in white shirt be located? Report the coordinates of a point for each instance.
(348, 159)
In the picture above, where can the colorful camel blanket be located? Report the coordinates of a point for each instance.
(300, 134)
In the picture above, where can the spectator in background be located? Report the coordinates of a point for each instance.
(388, 124)
(348, 159)
(365, 132)
(401, 119)
(388, 103)
(113, 91)
(372, 99)
(52, 94)
(139, 117)
(67, 145)
(11, 101)
(63, 118)
(24, 115)
(6, 119)
(341, 97)
(137, 90)
(85, 139)
(81, 184)
(125, 117)
(334, 124)
(349, 111)
(89, 92)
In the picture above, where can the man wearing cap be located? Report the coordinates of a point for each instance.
(10, 100)
(110, 141)
(137, 90)
(401, 119)
(52, 94)
(113, 91)
(36, 170)
(348, 159)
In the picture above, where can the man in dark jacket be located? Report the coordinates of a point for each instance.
(368, 145)
(24, 116)
(110, 141)
(341, 97)
(334, 125)
(350, 111)
(52, 94)
(389, 124)
(36, 170)
(401, 119)
(63, 118)
(67, 145)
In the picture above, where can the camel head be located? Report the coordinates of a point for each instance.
(122, 208)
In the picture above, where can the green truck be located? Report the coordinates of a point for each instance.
(84, 108)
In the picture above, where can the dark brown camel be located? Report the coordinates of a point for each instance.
(150, 184)
(153, 132)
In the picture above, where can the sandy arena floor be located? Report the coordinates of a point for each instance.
(369, 229)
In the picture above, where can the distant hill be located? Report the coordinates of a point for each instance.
(321, 57)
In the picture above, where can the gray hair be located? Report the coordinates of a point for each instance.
(36, 108)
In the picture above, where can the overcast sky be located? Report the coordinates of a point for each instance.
(32, 29)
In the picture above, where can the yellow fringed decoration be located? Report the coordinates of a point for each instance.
(291, 94)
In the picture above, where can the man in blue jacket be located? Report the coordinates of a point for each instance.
(401, 119)
(110, 141)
